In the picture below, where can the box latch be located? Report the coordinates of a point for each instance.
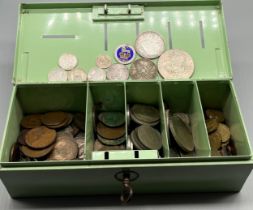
(120, 12)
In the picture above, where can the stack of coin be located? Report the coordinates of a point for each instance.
(50, 136)
(67, 70)
(219, 134)
(110, 131)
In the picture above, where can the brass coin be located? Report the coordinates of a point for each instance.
(215, 140)
(112, 119)
(110, 133)
(145, 113)
(211, 125)
(211, 113)
(14, 153)
(40, 137)
(36, 153)
(53, 118)
(31, 121)
(79, 120)
(64, 149)
(112, 142)
(98, 146)
(224, 132)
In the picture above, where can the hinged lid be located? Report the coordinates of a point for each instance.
(87, 30)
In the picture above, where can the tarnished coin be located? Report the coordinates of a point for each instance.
(96, 74)
(143, 69)
(65, 123)
(112, 119)
(145, 113)
(136, 120)
(79, 120)
(111, 142)
(184, 117)
(181, 134)
(211, 125)
(149, 137)
(77, 75)
(136, 141)
(68, 61)
(36, 153)
(54, 118)
(215, 140)
(64, 149)
(31, 121)
(103, 61)
(124, 54)
(110, 133)
(21, 136)
(40, 137)
(98, 146)
(149, 44)
(117, 72)
(175, 64)
(58, 75)
(224, 132)
(14, 153)
(211, 113)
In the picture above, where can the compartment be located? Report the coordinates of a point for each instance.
(31, 99)
(147, 93)
(183, 97)
(220, 95)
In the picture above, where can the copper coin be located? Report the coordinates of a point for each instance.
(53, 118)
(21, 137)
(40, 137)
(211, 125)
(98, 146)
(215, 140)
(64, 149)
(36, 153)
(31, 121)
(14, 153)
(66, 122)
(211, 113)
(224, 132)
(110, 133)
(79, 120)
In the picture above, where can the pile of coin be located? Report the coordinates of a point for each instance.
(219, 134)
(50, 136)
(143, 135)
(181, 142)
(67, 70)
(110, 131)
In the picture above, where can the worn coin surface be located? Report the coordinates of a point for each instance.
(77, 75)
(145, 113)
(211, 125)
(149, 44)
(112, 119)
(175, 64)
(98, 146)
(54, 118)
(57, 75)
(224, 132)
(215, 140)
(143, 69)
(35, 153)
(184, 117)
(110, 133)
(136, 141)
(103, 61)
(211, 113)
(111, 142)
(40, 137)
(117, 72)
(31, 121)
(21, 136)
(68, 61)
(181, 134)
(96, 74)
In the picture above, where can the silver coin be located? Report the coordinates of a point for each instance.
(135, 141)
(103, 61)
(68, 61)
(96, 74)
(77, 75)
(143, 69)
(184, 117)
(149, 44)
(57, 75)
(175, 64)
(117, 72)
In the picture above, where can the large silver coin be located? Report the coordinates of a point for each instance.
(175, 64)
(57, 75)
(181, 134)
(117, 72)
(149, 45)
(145, 113)
(68, 61)
(96, 74)
(143, 69)
(103, 61)
(77, 75)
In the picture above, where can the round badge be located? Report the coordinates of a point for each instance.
(125, 54)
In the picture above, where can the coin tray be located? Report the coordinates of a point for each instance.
(45, 31)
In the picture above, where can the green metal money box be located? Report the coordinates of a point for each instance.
(89, 29)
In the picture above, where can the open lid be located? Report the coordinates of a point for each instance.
(45, 31)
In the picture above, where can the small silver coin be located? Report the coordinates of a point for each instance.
(57, 75)
(143, 69)
(175, 64)
(117, 72)
(149, 44)
(77, 75)
(96, 74)
(103, 61)
(68, 61)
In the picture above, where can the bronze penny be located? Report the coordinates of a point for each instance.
(53, 118)
(21, 137)
(31, 121)
(14, 153)
(40, 137)
(110, 133)
(211, 125)
(211, 114)
(66, 122)
(36, 153)
(215, 140)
